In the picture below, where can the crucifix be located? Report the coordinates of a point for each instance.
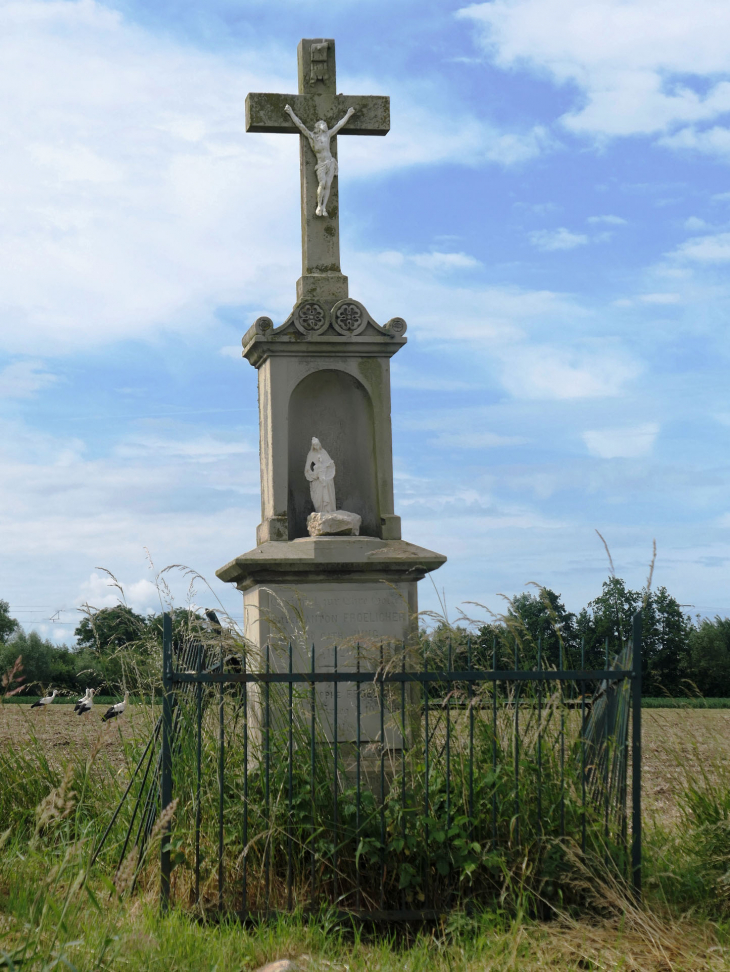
(317, 114)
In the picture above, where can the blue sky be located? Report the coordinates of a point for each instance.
(550, 213)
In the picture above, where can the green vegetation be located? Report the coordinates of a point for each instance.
(543, 904)
(691, 702)
(682, 658)
(57, 910)
(114, 647)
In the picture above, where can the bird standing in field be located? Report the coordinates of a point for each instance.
(84, 698)
(116, 710)
(45, 701)
(86, 704)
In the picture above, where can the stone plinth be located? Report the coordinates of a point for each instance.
(356, 593)
(340, 523)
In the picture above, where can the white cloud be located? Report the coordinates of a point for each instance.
(627, 443)
(22, 379)
(558, 239)
(435, 261)
(99, 591)
(608, 220)
(435, 308)
(631, 62)
(709, 141)
(415, 140)
(64, 513)
(534, 372)
(445, 262)
(133, 200)
(694, 223)
(205, 448)
(705, 249)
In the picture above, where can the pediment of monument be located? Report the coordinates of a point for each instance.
(345, 327)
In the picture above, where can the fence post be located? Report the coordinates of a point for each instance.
(636, 756)
(166, 762)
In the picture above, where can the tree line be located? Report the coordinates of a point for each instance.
(681, 654)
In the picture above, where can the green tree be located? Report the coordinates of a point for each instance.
(605, 624)
(542, 619)
(666, 635)
(185, 624)
(7, 624)
(708, 658)
(107, 630)
(44, 663)
(607, 620)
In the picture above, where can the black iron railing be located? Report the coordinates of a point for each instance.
(467, 771)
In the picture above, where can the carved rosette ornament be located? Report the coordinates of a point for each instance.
(263, 324)
(396, 325)
(349, 317)
(310, 317)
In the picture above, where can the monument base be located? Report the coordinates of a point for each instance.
(352, 601)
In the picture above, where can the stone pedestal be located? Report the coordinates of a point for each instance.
(356, 594)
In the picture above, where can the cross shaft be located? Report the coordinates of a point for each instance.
(318, 100)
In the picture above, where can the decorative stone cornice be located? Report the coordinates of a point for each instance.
(343, 328)
(330, 558)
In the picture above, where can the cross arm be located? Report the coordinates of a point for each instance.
(265, 113)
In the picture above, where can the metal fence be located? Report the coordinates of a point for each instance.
(462, 774)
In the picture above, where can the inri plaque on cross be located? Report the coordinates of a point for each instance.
(317, 114)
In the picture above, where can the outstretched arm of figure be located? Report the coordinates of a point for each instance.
(300, 125)
(343, 121)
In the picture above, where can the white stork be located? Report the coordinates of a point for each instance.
(116, 710)
(45, 701)
(86, 704)
(84, 698)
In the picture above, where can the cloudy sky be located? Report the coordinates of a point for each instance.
(550, 213)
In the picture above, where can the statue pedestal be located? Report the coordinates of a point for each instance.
(358, 594)
(337, 524)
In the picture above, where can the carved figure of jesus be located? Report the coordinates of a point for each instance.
(319, 140)
(320, 472)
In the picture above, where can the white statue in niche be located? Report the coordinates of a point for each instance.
(319, 141)
(320, 473)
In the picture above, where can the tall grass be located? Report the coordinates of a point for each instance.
(56, 909)
(487, 818)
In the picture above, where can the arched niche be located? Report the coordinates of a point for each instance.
(336, 408)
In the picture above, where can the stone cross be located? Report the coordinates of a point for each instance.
(318, 101)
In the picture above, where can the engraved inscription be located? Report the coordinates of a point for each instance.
(318, 63)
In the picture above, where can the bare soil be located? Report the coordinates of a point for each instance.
(62, 735)
(677, 744)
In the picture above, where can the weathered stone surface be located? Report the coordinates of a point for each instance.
(352, 617)
(340, 523)
(312, 593)
(312, 559)
(318, 100)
